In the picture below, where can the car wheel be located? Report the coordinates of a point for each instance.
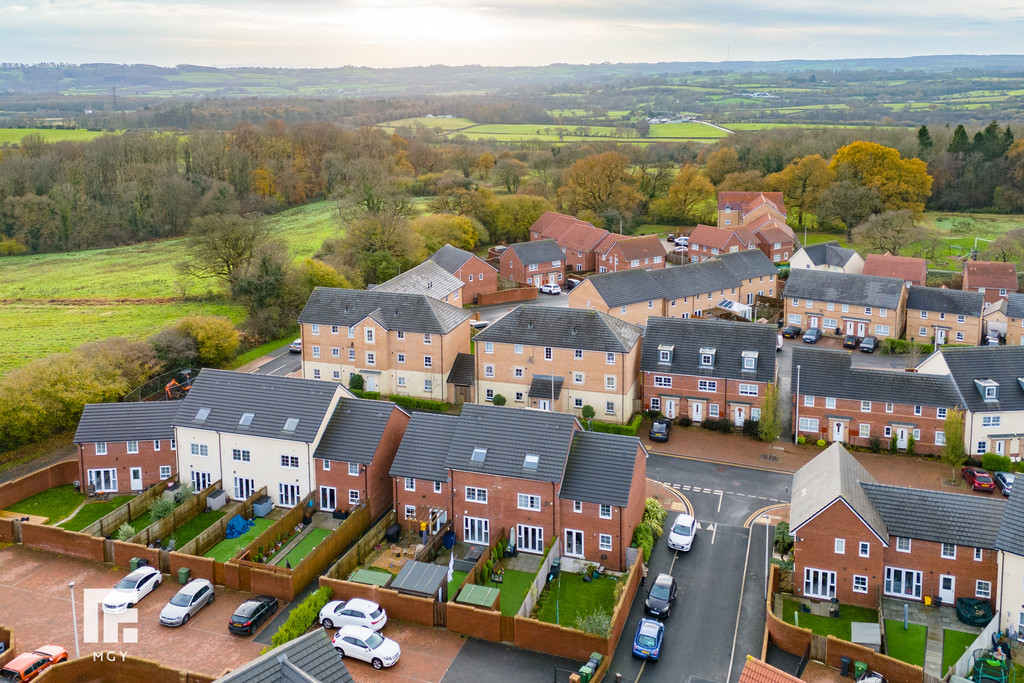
(184, 619)
(213, 596)
(130, 605)
(377, 664)
(327, 623)
(341, 653)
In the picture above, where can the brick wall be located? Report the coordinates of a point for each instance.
(423, 499)
(269, 582)
(398, 606)
(62, 542)
(485, 280)
(894, 670)
(474, 622)
(199, 567)
(970, 328)
(6, 531)
(55, 475)
(557, 640)
(685, 392)
(506, 296)
(124, 552)
(818, 310)
(130, 670)
(378, 477)
(7, 638)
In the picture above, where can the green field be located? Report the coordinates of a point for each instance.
(447, 124)
(11, 136)
(685, 131)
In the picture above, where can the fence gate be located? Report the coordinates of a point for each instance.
(819, 647)
(562, 675)
(440, 613)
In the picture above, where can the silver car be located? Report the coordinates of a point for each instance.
(193, 596)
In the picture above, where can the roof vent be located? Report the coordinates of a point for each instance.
(246, 419)
(531, 461)
(290, 424)
(573, 331)
(479, 455)
(202, 414)
(529, 325)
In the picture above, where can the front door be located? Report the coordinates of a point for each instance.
(1000, 447)
(837, 432)
(849, 327)
(741, 416)
(670, 409)
(901, 437)
(814, 321)
(553, 278)
(544, 404)
(940, 337)
(371, 382)
(697, 412)
(947, 585)
(861, 329)
(530, 539)
(136, 477)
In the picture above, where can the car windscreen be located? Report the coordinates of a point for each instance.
(181, 599)
(659, 427)
(127, 584)
(8, 675)
(374, 640)
(659, 592)
(681, 529)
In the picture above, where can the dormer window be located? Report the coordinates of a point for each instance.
(707, 358)
(988, 388)
(749, 361)
(665, 353)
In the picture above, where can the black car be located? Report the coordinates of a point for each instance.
(812, 335)
(851, 341)
(869, 344)
(251, 613)
(661, 596)
(659, 429)
(791, 331)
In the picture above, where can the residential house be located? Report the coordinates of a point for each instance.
(856, 538)
(741, 208)
(707, 368)
(560, 359)
(399, 343)
(551, 225)
(645, 251)
(478, 276)
(307, 659)
(536, 475)
(912, 270)
(775, 238)
(846, 304)
(1006, 316)
(126, 447)
(758, 671)
(580, 244)
(837, 402)
(994, 279)
(428, 279)
(707, 242)
(1010, 543)
(944, 316)
(990, 383)
(828, 256)
(533, 263)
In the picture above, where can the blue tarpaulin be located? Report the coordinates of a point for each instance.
(237, 526)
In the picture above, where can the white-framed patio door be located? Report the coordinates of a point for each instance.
(530, 539)
(573, 543)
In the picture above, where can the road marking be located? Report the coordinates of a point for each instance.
(719, 493)
(280, 367)
(739, 608)
(762, 512)
(720, 497)
(641, 671)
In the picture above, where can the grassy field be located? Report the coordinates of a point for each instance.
(907, 646)
(94, 511)
(9, 136)
(304, 547)
(229, 547)
(54, 504)
(685, 131)
(954, 644)
(447, 124)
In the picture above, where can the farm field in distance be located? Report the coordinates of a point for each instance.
(13, 136)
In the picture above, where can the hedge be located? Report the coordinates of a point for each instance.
(894, 346)
(420, 403)
(628, 429)
(372, 395)
(301, 618)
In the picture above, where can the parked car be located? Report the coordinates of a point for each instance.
(680, 249)
(369, 646)
(812, 335)
(869, 344)
(978, 479)
(27, 666)
(791, 331)
(551, 288)
(778, 343)
(682, 241)
(478, 324)
(251, 613)
(131, 589)
(680, 536)
(851, 341)
(992, 338)
(572, 283)
(1004, 480)
(661, 596)
(660, 429)
(647, 642)
(295, 346)
(355, 612)
(671, 237)
(186, 603)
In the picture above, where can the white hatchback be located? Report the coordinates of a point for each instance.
(131, 589)
(680, 536)
(369, 646)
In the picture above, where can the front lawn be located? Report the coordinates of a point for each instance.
(827, 626)
(907, 646)
(91, 512)
(55, 504)
(193, 527)
(569, 596)
(954, 645)
(303, 547)
(229, 547)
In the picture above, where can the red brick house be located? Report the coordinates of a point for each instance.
(580, 244)
(707, 369)
(707, 242)
(913, 271)
(841, 403)
(551, 225)
(855, 538)
(774, 237)
(534, 263)
(741, 208)
(646, 251)
(478, 276)
(126, 447)
(536, 475)
(994, 279)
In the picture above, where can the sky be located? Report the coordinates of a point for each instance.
(392, 33)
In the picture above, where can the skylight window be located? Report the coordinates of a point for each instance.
(246, 419)
(531, 461)
(290, 424)
(479, 455)
(202, 414)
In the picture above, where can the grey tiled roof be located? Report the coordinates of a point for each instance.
(1002, 364)
(308, 658)
(828, 253)
(829, 373)
(428, 278)
(450, 258)
(846, 288)
(937, 516)
(463, 372)
(600, 468)
(627, 286)
(509, 434)
(541, 251)
(546, 386)
(749, 264)
(1014, 305)
(149, 421)
(406, 312)
(354, 430)
(424, 447)
(688, 336)
(953, 301)
(694, 278)
(566, 328)
(1010, 538)
(272, 400)
(832, 475)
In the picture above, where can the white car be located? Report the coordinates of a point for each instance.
(193, 596)
(682, 241)
(551, 288)
(680, 249)
(131, 589)
(680, 536)
(355, 612)
(369, 646)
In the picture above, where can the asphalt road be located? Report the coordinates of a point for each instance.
(719, 615)
(282, 362)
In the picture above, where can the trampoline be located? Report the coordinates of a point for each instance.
(986, 666)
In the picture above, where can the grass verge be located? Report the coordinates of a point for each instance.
(826, 626)
(954, 644)
(94, 511)
(568, 597)
(907, 646)
(54, 504)
(264, 349)
(20, 456)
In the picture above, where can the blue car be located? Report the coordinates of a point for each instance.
(647, 643)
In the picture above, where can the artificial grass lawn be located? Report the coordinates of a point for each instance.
(907, 646)
(954, 644)
(55, 504)
(824, 626)
(568, 597)
(92, 512)
(303, 547)
(229, 547)
(453, 585)
(513, 590)
(193, 527)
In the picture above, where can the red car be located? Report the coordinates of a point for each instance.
(29, 665)
(978, 479)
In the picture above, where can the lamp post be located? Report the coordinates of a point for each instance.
(796, 421)
(74, 618)
(766, 555)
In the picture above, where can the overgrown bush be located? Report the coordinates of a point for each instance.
(875, 444)
(892, 444)
(124, 532)
(215, 336)
(643, 537)
(685, 421)
(996, 462)
(356, 382)
(910, 444)
(301, 617)
(654, 516)
(752, 429)
(420, 403)
(369, 395)
(596, 621)
(783, 541)
(183, 493)
(722, 424)
(628, 429)
(159, 508)
(891, 345)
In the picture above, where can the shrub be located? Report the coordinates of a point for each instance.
(643, 537)
(356, 382)
(498, 400)
(723, 425)
(302, 617)
(628, 429)
(370, 395)
(160, 507)
(910, 444)
(801, 440)
(875, 444)
(216, 338)
(596, 621)
(124, 532)
(653, 414)
(996, 462)
(752, 429)
(684, 421)
(588, 412)
(654, 516)
(183, 493)
(420, 403)
(783, 541)
(892, 444)
(820, 443)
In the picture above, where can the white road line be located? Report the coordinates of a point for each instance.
(720, 497)
(641, 671)
(739, 609)
(280, 367)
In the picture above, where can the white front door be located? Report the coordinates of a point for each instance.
(544, 404)
(750, 298)
(940, 337)
(1000, 447)
(697, 412)
(530, 539)
(901, 437)
(861, 329)
(814, 321)
(837, 432)
(849, 327)
(371, 382)
(947, 585)
(136, 476)
(670, 408)
(553, 278)
(741, 416)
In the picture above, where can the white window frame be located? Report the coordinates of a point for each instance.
(664, 381)
(863, 549)
(410, 484)
(353, 497)
(947, 551)
(104, 479)
(902, 544)
(528, 501)
(132, 447)
(840, 546)
(604, 542)
(604, 511)
(290, 462)
(101, 447)
(983, 589)
(165, 472)
(860, 583)
(979, 554)
(708, 385)
(475, 494)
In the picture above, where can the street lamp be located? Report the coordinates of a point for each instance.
(766, 555)
(74, 618)
(796, 430)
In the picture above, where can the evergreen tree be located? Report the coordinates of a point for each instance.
(960, 144)
(924, 142)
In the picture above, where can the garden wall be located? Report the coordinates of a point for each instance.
(162, 528)
(621, 611)
(7, 531)
(111, 522)
(398, 606)
(556, 640)
(199, 567)
(62, 542)
(124, 552)
(7, 638)
(263, 581)
(130, 670)
(474, 621)
(540, 580)
(348, 562)
(506, 296)
(894, 670)
(55, 475)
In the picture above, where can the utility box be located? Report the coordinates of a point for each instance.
(217, 499)
(844, 666)
(262, 506)
(183, 573)
(171, 489)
